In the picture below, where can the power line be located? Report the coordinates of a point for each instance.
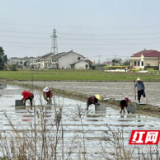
(23, 37)
(94, 45)
(84, 34)
(20, 42)
(113, 34)
(24, 32)
(64, 26)
(91, 39)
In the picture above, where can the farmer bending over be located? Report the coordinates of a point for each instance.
(124, 103)
(140, 89)
(27, 95)
(93, 100)
(47, 94)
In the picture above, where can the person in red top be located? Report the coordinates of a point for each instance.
(27, 95)
(93, 100)
(47, 94)
(124, 103)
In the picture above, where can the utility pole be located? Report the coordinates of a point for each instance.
(99, 61)
(54, 47)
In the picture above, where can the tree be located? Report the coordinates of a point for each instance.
(25, 64)
(3, 59)
(126, 62)
(116, 61)
(13, 67)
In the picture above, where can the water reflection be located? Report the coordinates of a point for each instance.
(77, 122)
(2, 86)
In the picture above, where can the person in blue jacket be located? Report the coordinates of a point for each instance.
(140, 90)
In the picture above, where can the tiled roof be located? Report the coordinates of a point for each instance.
(64, 53)
(46, 55)
(88, 61)
(147, 53)
(59, 54)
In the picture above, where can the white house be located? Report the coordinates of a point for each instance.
(65, 60)
(46, 61)
(146, 59)
(81, 65)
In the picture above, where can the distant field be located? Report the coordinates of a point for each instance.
(76, 75)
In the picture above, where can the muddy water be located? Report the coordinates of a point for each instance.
(93, 127)
(115, 90)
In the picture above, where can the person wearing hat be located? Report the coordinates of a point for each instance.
(124, 103)
(47, 94)
(27, 96)
(140, 89)
(93, 100)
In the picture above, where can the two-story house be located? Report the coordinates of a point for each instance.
(146, 59)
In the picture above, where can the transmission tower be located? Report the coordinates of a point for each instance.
(54, 47)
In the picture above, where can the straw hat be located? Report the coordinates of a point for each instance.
(98, 96)
(46, 89)
(138, 79)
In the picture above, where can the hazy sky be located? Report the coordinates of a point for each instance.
(102, 29)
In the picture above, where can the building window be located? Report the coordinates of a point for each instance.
(135, 63)
(138, 63)
(142, 63)
(79, 58)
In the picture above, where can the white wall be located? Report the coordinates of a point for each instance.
(152, 62)
(81, 65)
(70, 58)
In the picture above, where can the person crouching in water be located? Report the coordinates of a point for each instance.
(93, 100)
(27, 96)
(124, 103)
(47, 94)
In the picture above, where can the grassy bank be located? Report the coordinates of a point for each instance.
(77, 75)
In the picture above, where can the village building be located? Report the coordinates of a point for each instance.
(45, 61)
(64, 60)
(82, 64)
(146, 59)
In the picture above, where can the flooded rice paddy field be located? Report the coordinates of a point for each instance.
(82, 135)
(115, 90)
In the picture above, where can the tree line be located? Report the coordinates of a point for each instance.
(3, 59)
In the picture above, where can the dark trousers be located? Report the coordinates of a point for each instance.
(30, 98)
(139, 93)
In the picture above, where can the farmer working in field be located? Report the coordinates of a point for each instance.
(47, 94)
(93, 100)
(124, 103)
(27, 96)
(140, 89)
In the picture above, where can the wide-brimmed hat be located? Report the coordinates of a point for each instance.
(98, 96)
(138, 79)
(46, 89)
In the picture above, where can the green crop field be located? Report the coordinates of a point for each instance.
(77, 75)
